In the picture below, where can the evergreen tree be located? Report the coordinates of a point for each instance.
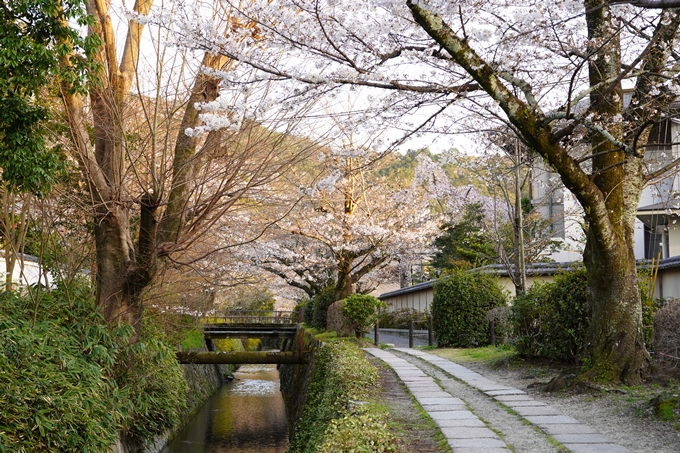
(466, 243)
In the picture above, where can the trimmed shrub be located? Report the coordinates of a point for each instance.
(459, 307)
(550, 320)
(361, 311)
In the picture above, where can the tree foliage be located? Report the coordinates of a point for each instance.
(37, 47)
(466, 243)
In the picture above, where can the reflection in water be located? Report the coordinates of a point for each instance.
(245, 416)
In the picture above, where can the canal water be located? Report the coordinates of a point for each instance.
(245, 416)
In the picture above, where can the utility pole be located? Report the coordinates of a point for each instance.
(520, 269)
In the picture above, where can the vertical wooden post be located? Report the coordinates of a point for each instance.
(376, 334)
(430, 333)
(410, 333)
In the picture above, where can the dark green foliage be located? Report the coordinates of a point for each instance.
(466, 243)
(550, 320)
(459, 307)
(56, 390)
(331, 421)
(399, 319)
(154, 382)
(319, 307)
(68, 383)
(37, 45)
(362, 311)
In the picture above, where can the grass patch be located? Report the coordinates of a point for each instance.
(192, 339)
(487, 354)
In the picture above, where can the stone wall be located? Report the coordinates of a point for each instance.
(295, 378)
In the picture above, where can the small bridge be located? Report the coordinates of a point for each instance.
(246, 324)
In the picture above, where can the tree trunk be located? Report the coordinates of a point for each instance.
(614, 347)
(614, 342)
(345, 284)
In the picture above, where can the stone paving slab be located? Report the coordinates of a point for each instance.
(476, 443)
(443, 407)
(465, 432)
(518, 397)
(419, 394)
(571, 428)
(597, 448)
(452, 415)
(527, 403)
(541, 420)
(502, 392)
(468, 422)
(482, 450)
(582, 439)
(449, 400)
(536, 410)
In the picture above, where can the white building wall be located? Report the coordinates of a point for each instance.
(25, 273)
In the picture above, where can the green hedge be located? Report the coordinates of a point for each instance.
(550, 319)
(400, 319)
(335, 417)
(459, 307)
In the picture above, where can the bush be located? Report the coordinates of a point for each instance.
(667, 334)
(459, 307)
(550, 320)
(399, 319)
(361, 311)
(319, 309)
(156, 388)
(337, 322)
(69, 383)
(56, 359)
(500, 316)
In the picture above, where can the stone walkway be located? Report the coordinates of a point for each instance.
(465, 431)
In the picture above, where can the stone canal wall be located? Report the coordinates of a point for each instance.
(295, 378)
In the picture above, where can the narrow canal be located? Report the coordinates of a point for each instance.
(245, 416)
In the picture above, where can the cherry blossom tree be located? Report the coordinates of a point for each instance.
(554, 72)
(349, 226)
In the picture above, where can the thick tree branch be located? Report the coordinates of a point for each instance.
(528, 122)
